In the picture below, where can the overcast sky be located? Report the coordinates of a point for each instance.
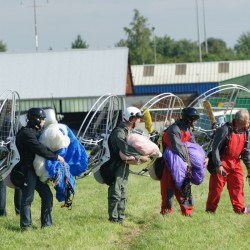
(100, 22)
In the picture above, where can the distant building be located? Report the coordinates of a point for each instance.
(188, 78)
(69, 81)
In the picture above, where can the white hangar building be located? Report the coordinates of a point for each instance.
(188, 78)
(70, 81)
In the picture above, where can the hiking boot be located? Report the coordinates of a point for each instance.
(247, 209)
(112, 220)
(3, 213)
(167, 211)
(25, 229)
(121, 222)
(210, 211)
(186, 214)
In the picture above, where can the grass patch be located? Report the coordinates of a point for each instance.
(86, 226)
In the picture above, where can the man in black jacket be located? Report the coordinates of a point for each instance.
(28, 146)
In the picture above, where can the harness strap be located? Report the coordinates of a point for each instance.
(68, 191)
(186, 194)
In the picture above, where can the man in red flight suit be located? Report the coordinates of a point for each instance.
(230, 146)
(174, 138)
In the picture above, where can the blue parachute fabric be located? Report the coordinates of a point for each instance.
(178, 167)
(76, 162)
(76, 155)
(57, 171)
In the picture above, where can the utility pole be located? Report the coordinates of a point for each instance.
(35, 26)
(35, 22)
(153, 30)
(204, 25)
(198, 30)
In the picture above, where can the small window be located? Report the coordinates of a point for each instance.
(223, 68)
(180, 69)
(148, 71)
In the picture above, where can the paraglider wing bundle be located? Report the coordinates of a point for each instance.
(141, 145)
(197, 157)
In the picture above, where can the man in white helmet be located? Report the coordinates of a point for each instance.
(117, 191)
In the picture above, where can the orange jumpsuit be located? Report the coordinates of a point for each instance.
(230, 159)
(175, 137)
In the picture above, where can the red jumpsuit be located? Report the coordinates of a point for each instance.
(174, 138)
(231, 162)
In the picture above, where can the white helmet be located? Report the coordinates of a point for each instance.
(132, 112)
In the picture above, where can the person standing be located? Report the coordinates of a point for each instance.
(28, 146)
(117, 191)
(174, 138)
(230, 146)
(17, 199)
(5, 127)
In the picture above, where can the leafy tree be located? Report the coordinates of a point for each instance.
(164, 49)
(79, 43)
(171, 51)
(217, 50)
(138, 40)
(3, 47)
(141, 46)
(185, 51)
(242, 46)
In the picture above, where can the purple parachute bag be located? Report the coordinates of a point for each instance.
(178, 167)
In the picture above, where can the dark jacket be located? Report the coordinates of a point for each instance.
(28, 146)
(175, 136)
(222, 136)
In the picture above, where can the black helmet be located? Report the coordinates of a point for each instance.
(35, 115)
(190, 114)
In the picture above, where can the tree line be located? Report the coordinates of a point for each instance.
(146, 48)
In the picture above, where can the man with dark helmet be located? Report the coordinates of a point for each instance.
(174, 138)
(28, 146)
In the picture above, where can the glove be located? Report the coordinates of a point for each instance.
(220, 170)
(154, 136)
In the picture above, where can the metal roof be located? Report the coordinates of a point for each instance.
(185, 73)
(67, 74)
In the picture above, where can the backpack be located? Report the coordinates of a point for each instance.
(18, 176)
(108, 167)
(156, 170)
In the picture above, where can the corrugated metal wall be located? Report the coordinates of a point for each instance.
(67, 105)
(188, 72)
(197, 88)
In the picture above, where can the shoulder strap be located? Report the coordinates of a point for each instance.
(188, 158)
(230, 130)
(111, 149)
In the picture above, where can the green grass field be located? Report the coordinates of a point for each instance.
(86, 226)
